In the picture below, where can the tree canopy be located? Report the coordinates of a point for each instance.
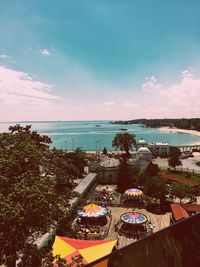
(125, 175)
(124, 141)
(155, 187)
(182, 191)
(174, 157)
(31, 176)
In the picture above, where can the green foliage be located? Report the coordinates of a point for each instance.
(174, 157)
(150, 171)
(124, 141)
(105, 151)
(198, 163)
(30, 202)
(125, 175)
(155, 187)
(182, 191)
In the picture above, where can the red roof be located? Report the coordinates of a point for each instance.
(177, 179)
(191, 207)
(179, 213)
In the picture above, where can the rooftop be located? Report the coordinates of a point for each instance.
(85, 182)
(179, 213)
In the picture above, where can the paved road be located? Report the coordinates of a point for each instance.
(189, 163)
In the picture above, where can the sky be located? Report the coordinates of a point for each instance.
(99, 59)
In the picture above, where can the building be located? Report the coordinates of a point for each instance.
(159, 149)
(107, 170)
(146, 153)
(141, 143)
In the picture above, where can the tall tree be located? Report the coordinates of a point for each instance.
(182, 191)
(29, 200)
(151, 170)
(124, 141)
(174, 157)
(125, 175)
(155, 187)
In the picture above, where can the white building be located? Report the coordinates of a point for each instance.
(159, 149)
(146, 153)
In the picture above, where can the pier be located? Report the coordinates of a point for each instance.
(188, 147)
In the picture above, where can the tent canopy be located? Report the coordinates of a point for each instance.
(134, 218)
(92, 211)
(89, 250)
(133, 192)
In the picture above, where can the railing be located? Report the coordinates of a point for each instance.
(180, 168)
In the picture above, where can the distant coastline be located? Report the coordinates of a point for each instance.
(177, 130)
(184, 123)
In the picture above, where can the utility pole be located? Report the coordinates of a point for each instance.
(72, 144)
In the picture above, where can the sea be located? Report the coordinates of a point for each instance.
(95, 135)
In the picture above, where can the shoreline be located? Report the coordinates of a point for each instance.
(177, 130)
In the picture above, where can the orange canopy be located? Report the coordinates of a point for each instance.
(89, 250)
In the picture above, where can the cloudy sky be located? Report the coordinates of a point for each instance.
(99, 59)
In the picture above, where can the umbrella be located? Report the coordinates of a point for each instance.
(133, 192)
(92, 211)
(133, 218)
(68, 248)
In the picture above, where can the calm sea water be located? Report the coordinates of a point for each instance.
(95, 135)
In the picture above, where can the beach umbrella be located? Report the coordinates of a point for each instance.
(133, 193)
(134, 218)
(92, 211)
(89, 250)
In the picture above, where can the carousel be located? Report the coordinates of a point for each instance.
(133, 196)
(132, 224)
(90, 221)
(93, 214)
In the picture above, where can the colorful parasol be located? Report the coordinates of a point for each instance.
(92, 211)
(89, 251)
(133, 192)
(133, 218)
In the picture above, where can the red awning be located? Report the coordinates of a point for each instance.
(178, 212)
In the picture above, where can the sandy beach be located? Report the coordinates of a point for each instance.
(177, 130)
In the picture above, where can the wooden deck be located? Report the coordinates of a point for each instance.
(160, 222)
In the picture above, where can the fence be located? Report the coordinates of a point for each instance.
(181, 169)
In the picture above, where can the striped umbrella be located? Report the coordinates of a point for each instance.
(134, 218)
(92, 211)
(133, 192)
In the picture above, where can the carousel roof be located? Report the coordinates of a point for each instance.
(92, 211)
(134, 218)
(133, 192)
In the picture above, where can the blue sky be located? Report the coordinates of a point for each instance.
(72, 60)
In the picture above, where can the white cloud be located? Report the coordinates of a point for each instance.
(45, 52)
(5, 56)
(180, 99)
(18, 88)
(129, 104)
(108, 103)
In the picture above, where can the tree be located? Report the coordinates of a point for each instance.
(151, 170)
(174, 157)
(29, 200)
(125, 175)
(155, 187)
(105, 151)
(124, 141)
(182, 191)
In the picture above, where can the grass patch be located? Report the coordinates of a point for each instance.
(198, 163)
(186, 175)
